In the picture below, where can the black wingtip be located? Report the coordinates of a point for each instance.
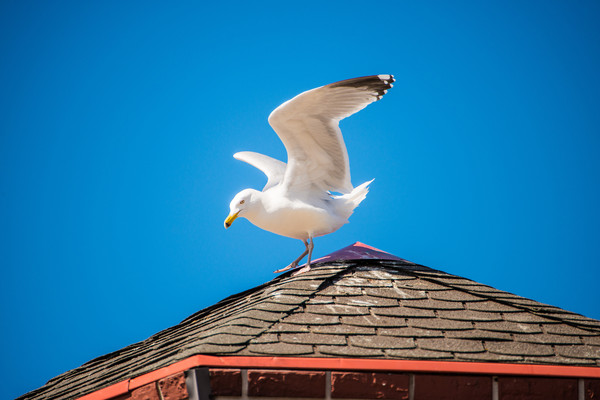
(379, 84)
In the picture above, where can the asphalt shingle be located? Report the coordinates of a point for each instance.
(519, 349)
(349, 351)
(569, 330)
(454, 295)
(529, 318)
(283, 327)
(367, 301)
(312, 338)
(321, 300)
(343, 330)
(266, 338)
(301, 318)
(477, 334)
(592, 340)
(586, 352)
(354, 281)
(469, 315)
(491, 306)
(279, 349)
(336, 309)
(507, 326)
(431, 304)
(410, 332)
(488, 357)
(440, 324)
(403, 312)
(226, 339)
(451, 345)
(419, 354)
(547, 338)
(382, 342)
(373, 321)
(396, 293)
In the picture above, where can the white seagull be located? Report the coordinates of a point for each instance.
(297, 200)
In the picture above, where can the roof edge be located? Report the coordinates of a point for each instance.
(343, 364)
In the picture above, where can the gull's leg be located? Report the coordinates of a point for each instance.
(294, 264)
(309, 248)
(311, 245)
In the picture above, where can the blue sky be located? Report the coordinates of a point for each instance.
(119, 122)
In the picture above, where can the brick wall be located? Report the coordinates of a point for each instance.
(170, 388)
(242, 384)
(230, 384)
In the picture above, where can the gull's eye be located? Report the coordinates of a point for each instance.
(242, 202)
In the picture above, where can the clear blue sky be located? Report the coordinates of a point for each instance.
(119, 122)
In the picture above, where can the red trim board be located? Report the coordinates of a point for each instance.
(344, 364)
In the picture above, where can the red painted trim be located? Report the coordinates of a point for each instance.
(109, 392)
(344, 364)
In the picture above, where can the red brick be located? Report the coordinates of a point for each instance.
(592, 389)
(450, 387)
(267, 383)
(225, 382)
(524, 388)
(146, 392)
(357, 385)
(173, 387)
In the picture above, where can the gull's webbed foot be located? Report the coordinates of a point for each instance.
(302, 270)
(309, 248)
(292, 265)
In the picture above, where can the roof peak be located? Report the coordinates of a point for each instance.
(358, 251)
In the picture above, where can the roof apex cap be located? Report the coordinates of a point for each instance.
(358, 251)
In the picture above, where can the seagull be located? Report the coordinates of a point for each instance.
(299, 199)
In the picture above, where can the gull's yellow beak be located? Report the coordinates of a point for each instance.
(230, 218)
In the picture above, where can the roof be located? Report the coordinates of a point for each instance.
(359, 303)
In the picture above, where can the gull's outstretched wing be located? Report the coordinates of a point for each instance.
(308, 126)
(272, 168)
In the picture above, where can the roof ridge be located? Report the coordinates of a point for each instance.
(224, 303)
(328, 281)
(229, 299)
(205, 311)
(421, 271)
(524, 307)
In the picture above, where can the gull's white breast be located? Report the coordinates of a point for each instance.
(295, 217)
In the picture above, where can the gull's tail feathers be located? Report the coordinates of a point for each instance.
(354, 198)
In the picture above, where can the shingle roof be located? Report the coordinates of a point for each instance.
(375, 308)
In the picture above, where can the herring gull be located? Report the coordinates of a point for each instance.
(298, 200)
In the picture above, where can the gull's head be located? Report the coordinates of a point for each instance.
(239, 206)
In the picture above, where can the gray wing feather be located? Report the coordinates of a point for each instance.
(272, 168)
(308, 126)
